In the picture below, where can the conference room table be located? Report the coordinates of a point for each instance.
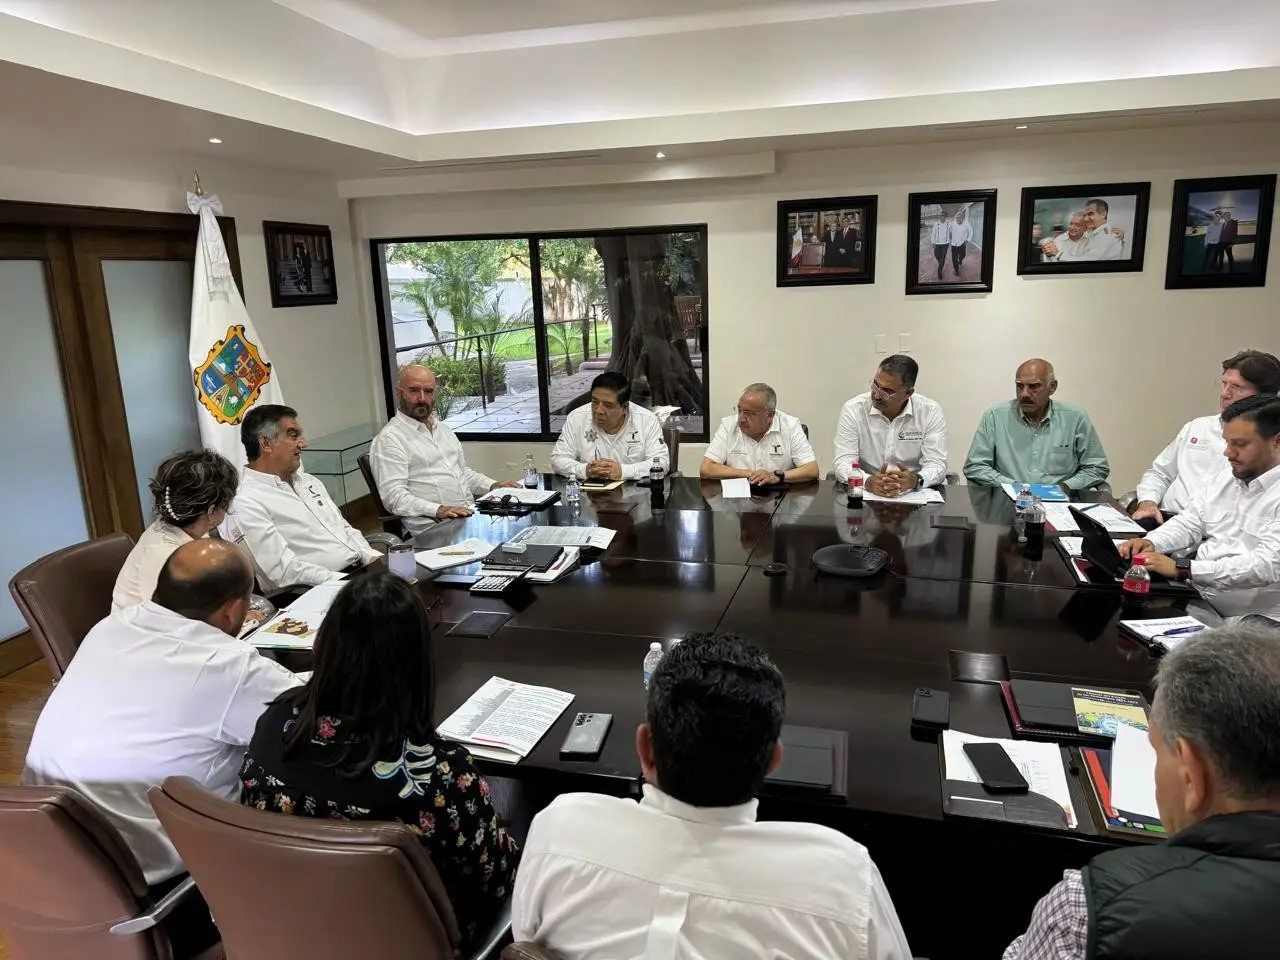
(852, 653)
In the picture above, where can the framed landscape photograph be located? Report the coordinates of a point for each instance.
(830, 240)
(951, 241)
(299, 264)
(1088, 228)
(1220, 233)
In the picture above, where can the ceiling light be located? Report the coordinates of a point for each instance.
(1021, 126)
(215, 139)
(660, 155)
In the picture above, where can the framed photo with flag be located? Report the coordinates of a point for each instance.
(828, 240)
(299, 264)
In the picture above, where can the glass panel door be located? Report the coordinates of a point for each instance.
(43, 510)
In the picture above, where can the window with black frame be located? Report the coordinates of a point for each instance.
(516, 328)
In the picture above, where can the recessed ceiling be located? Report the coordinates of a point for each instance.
(423, 28)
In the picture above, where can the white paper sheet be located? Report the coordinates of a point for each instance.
(739, 488)
(1133, 773)
(597, 537)
(455, 554)
(1111, 518)
(1073, 545)
(504, 720)
(1039, 763)
(927, 495)
(1060, 517)
(1151, 629)
(568, 560)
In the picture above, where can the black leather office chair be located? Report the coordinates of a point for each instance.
(390, 522)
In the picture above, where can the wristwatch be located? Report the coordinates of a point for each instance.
(781, 475)
(1184, 569)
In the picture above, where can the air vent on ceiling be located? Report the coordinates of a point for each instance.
(490, 162)
(1088, 117)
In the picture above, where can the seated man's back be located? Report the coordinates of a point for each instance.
(688, 873)
(613, 878)
(153, 693)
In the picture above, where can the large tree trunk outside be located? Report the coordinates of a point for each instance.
(648, 339)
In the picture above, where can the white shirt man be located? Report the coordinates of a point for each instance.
(961, 232)
(635, 445)
(867, 440)
(294, 531)
(1185, 465)
(941, 233)
(1213, 232)
(602, 877)
(1100, 243)
(1237, 566)
(420, 468)
(152, 694)
(782, 447)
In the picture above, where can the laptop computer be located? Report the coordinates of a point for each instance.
(1107, 567)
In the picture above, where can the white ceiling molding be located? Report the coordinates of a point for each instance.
(532, 176)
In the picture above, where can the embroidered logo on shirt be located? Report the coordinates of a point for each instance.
(911, 435)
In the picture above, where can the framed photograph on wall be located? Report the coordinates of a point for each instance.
(1220, 232)
(830, 240)
(951, 241)
(299, 264)
(1088, 228)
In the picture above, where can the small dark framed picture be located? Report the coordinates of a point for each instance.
(299, 264)
(831, 240)
(951, 241)
(1220, 232)
(1088, 228)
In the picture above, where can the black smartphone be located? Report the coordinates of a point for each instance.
(931, 708)
(998, 773)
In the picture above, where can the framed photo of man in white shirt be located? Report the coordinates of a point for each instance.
(1220, 232)
(1085, 228)
(951, 241)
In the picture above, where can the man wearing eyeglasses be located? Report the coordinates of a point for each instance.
(891, 438)
(760, 443)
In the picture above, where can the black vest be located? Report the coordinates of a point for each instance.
(1212, 891)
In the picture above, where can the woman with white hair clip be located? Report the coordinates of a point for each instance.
(192, 492)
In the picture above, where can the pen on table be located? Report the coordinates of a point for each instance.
(454, 553)
(1180, 631)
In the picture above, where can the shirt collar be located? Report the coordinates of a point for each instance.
(773, 428)
(1048, 414)
(909, 410)
(413, 424)
(258, 476)
(726, 816)
(1265, 481)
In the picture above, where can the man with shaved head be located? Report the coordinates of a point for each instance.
(417, 461)
(1036, 439)
(157, 690)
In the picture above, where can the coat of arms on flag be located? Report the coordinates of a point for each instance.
(231, 377)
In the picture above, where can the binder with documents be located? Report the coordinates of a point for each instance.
(1096, 770)
(1041, 710)
(1048, 804)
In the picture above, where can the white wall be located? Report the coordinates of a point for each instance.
(319, 351)
(1142, 359)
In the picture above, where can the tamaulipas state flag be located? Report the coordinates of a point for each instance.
(229, 365)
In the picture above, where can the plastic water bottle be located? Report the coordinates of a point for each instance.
(1137, 584)
(530, 472)
(1022, 506)
(1033, 531)
(651, 660)
(854, 487)
(573, 493)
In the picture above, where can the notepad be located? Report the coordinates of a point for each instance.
(739, 488)
(1133, 773)
(455, 554)
(1045, 491)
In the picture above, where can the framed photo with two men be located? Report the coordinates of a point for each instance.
(1084, 228)
(827, 240)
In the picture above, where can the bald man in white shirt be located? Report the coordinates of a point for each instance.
(417, 461)
(760, 443)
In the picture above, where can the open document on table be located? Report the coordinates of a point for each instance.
(504, 720)
(1039, 763)
(295, 626)
(598, 537)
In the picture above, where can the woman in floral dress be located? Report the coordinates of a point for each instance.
(358, 742)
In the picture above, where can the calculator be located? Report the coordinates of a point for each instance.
(495, 584)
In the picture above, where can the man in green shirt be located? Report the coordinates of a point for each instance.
(1036, 439)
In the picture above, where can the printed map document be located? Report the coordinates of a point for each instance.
(504, 720)
(1039, 763)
